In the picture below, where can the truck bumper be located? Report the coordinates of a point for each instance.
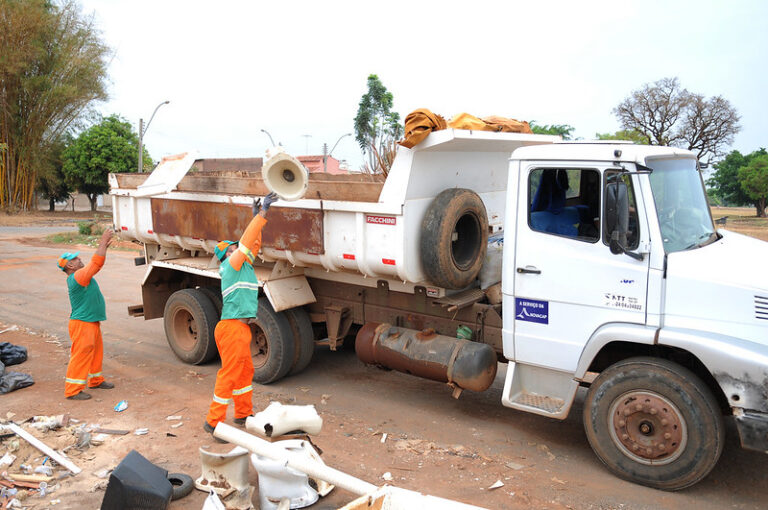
(753, 430)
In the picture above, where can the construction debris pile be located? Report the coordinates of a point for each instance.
(38, 453)
(34, 457)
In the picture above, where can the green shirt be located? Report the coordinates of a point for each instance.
(239, 291)
(87, 302)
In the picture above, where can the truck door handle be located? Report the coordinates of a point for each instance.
(528, 270)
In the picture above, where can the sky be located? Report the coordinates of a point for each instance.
(298, 69)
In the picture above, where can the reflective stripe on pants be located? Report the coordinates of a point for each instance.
(233, 380)
(85, 357)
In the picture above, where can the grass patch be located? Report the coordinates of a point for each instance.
(743, 220)
(76, 238)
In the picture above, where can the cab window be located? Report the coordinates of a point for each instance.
(565, 202)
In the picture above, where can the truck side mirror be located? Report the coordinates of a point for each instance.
(615, 244)
(616, 214)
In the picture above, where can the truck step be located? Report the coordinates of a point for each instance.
(460, 300)
(539, 390)
(542, 402)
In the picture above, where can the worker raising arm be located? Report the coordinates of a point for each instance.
(88, 310)
(240, 296)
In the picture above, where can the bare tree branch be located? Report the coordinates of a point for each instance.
(667, 114)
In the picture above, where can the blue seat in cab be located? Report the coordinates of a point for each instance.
(548, 210)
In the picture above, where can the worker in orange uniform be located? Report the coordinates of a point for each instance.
(88, 310)
(240, 296)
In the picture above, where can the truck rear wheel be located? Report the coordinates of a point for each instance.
(654, 422)
(214, 294)
(190, 319)
(454, 238)
(272, 345)
(303, 339)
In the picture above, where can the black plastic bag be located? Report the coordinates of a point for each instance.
(12, 381)
(12, 354)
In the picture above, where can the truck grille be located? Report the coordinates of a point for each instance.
(761, 307)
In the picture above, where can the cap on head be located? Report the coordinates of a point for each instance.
(221, 249)
(66, 257)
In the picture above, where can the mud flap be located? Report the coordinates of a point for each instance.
(753, 431)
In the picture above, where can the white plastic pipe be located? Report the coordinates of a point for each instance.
(298, 462)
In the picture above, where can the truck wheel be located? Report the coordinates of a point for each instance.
(654, 422)
(454, 238)
(271, 344)
(214, 294)
(303, 339)
(189, 319)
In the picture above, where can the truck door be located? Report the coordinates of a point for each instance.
(567, 281)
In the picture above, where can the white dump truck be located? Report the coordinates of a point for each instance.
(576, 264)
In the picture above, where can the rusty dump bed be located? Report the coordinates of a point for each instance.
(347, 187)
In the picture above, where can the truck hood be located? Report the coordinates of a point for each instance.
(720, 288)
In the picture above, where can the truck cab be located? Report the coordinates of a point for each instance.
(613, 266)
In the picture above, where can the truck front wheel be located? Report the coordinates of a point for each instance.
(654, 422)
(272, 344)
(189, 319)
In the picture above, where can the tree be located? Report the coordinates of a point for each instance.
(754, 181)
(111, 146)
(726, 182)
(51, 183)
(625, 134)
(667, 114)
(376, 125)
(52, 67)
(563, 130)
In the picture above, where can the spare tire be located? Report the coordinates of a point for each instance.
(454, 238)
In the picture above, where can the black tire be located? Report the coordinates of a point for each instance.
(448, 262)
(303, 339)
(182, 485)
(271, 344)
(214, 294)
(190, 319)
(672, 441)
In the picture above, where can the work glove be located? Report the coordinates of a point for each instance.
(256, 206)
(268, 201)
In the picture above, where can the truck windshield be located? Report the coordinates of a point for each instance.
(681, 204)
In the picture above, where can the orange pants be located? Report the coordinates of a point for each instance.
(233, 380)
(84, 357)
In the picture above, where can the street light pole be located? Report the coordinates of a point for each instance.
(270, 137)
(325, 156)
(143, 130)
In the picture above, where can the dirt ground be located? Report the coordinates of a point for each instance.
(450, 448)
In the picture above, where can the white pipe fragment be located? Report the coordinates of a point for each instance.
(298, 462)
(44, 448)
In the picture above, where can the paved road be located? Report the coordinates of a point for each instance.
(560, 466)
(7, 232)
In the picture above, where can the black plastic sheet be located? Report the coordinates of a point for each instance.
(12, 354)
(11, 381)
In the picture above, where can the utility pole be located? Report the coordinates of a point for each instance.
(141, 145)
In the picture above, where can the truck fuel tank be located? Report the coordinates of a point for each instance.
(466, 364)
